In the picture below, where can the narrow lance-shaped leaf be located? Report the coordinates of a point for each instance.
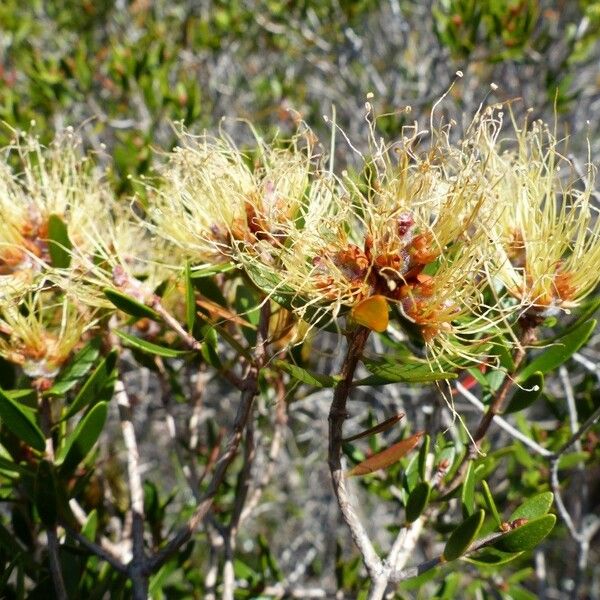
(208, 271)
(488, 557)
(149, 347)
(423, 452)
(467, 495)
(88, 529)
(489, 500)
(16, 420)
(77, 367)
(308, 377)
(190, 299)
(560, 351)
(385, 372)
(130, 306)
(386, 457)
(83, 438)
(417, 501)
(95, 387)
(383, 426)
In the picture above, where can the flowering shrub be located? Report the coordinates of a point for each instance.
(467, 263)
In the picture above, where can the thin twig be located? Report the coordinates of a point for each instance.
(337, 415)
(226, 458)
(274, 449)
(410, 572)
(99, 551)
(496, 406)
(589, 422)
(241, 493)
(190, 341)
(502, 423)
(105, 544)
(136, 494)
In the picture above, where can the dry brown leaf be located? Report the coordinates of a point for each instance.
(386, 457)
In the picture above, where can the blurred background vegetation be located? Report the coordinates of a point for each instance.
(121, 72)
(126, 70)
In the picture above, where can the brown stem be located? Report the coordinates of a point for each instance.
(337, 415)
(190, 341)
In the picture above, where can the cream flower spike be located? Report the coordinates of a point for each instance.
(212, 201)
(55, 180)
(412, 238)
(40, 334)
(123, 256)
(549, 247)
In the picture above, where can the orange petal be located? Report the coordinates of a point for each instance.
(372, 313)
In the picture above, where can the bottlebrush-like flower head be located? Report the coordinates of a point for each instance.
(40, 333)
(549, 232)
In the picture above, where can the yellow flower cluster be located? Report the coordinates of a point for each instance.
(460, 238)
(454, 238)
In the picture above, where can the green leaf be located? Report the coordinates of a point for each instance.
(572, 459)
(423, 452)
(8, 465)
(385, 372)
(462, 537)
(491, 557)
(558, 353)
(130, 306)
(587, 311)
(489, 500)
(208, 271)
(83, 438)
(417, 501)
(59, 244)
(79, 365)
(27, 395)
(501, 348)
(190, 299)
(533, 507)
(467, 494)
(527, 536)
(308, 377)
(98, 386)
(145, 346)
(527, 394)
(45, 493)
(89, 528)
(15, 419)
